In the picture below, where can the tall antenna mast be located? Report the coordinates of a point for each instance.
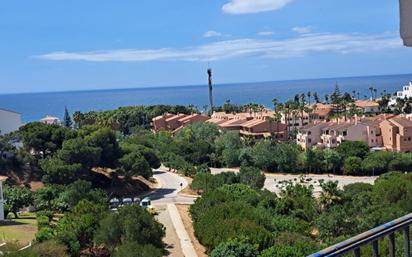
(209, 73)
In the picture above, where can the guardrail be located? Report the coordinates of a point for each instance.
(372, 236)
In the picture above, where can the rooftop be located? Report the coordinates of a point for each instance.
(366, 103)
(401, 122)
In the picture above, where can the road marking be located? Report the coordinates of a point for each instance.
(185, 242)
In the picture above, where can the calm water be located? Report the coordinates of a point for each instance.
(36, 106)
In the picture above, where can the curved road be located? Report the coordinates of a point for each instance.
(170, 185)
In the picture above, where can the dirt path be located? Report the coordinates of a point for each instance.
(187, 221)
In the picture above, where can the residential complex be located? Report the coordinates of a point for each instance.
(9, 121)
(254, 124)
(174, 122)
(391, 132)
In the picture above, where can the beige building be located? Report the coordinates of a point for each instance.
(174, 122)
(251, 124)
(309, 135)
(367, 106)
(262, 128)
(397, 134)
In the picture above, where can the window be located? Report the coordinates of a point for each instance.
(345, 133)
(309, 132)
(309, 140)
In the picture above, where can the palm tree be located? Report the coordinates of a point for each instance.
(376, 92)
(371, 90)
(354, 94)
(78, 118)
(316, 97)
(326, 98)
(205, 108)
(209, 73)
(309, 94)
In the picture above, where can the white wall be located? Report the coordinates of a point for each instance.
(9, 121)
(1, 202)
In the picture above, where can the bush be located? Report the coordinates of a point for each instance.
(252, 177)
(50, 248)
(235, 248)
(133, 249)
(42, 221)
(44, 234)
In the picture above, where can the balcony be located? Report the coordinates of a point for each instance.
(372, 237)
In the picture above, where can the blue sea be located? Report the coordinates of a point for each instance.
(35, 106)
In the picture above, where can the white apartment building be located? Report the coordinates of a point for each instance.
(50, 120)
(9, 121)
(406, 92)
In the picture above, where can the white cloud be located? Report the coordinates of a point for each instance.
(258, 48)
(265, 33)
(253, 6)
(303, 30)
(212, 33)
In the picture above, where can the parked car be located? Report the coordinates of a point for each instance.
(146, 204)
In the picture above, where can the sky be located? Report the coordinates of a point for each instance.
(49, 45)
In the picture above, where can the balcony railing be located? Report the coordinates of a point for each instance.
(372, 236)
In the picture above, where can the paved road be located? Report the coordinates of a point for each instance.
(273, 181)
(167, 196)
(170, 185)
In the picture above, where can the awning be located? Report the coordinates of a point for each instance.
(406, 21)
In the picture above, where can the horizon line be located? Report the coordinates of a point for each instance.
(198, 85)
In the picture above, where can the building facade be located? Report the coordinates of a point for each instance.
(397, 134)
(175, 122)
(9, 121)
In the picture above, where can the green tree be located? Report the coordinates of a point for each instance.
(134, 164)
(77, 228)
(77, 151)
(67, 120)
(130, 224)
(377, 163)
(353, 149)
(57, 171)
(352, 166)
(16, 198)
(332, 160)
(105, 139)
(44, 139)
(402, 162)
(81, 190)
